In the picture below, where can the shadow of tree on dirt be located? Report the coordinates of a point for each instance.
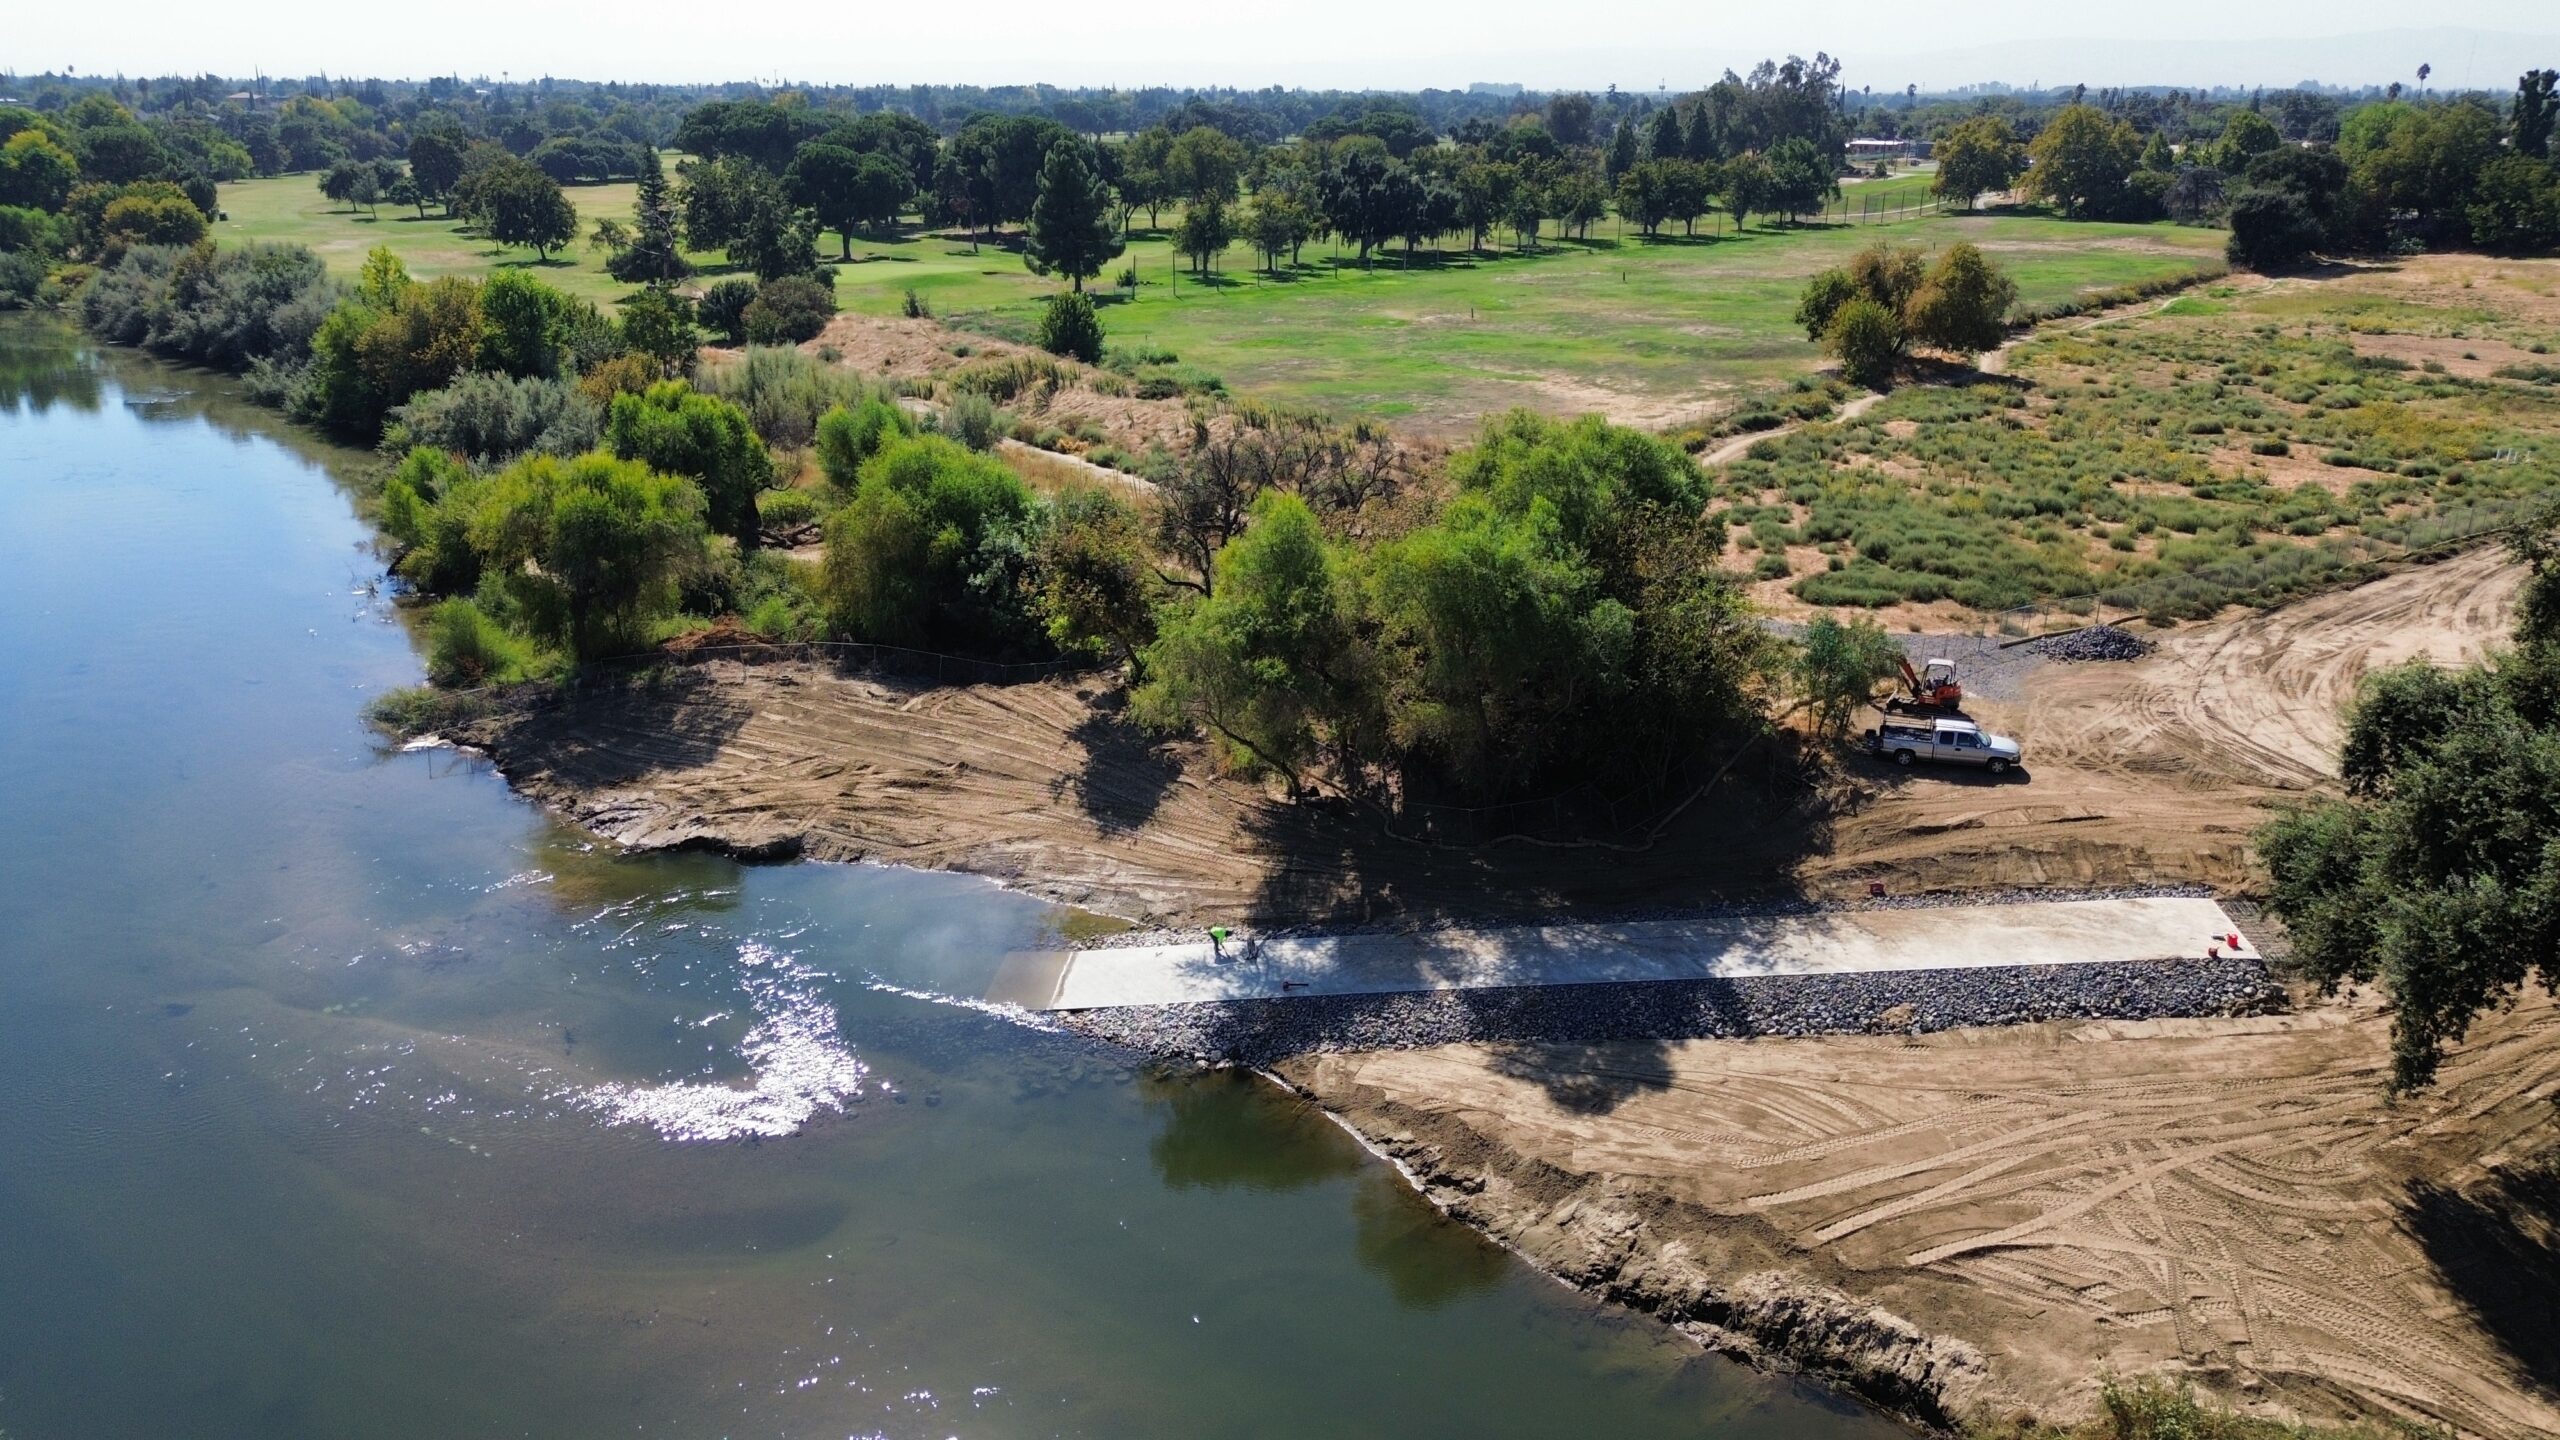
(1588, 1079)
(1335, 864)
(1126, 773)
(610, 729)
(2496, 1244)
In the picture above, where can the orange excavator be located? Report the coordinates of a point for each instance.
(1933, 690)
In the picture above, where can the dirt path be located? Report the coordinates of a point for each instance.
(2032, 1206)
(1740, 445)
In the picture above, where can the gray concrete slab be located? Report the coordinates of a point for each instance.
(1943, 937)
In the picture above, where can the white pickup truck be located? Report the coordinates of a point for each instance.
(1953, 742)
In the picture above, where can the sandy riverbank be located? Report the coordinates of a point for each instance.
(1996, 1217)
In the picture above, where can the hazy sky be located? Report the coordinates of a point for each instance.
(1635, 44)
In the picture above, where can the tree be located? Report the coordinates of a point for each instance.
(1569, 119)
(723, 307)
(653, 256)
(1142, 171)
(2245, 136)
(1280, 222)
(2270, 229)
(1800, 179)
(151, 220)
(338, 182)
(1069, 327)
(1962, 307)
(36, 172)
(2515, 206)
(821, 181)
(2438, 876)
(1261, 662)
(1203, 166)
(2536, 107)
(677, 430)
(1622, 151)
(735, 206)
(2081, 160)
(1747, 184)
(1867, 340)
(1976, 157)
(522, 206)
(435, 158)
(588, 548)
(1837, 667)
(935, 543)
(1070, 230)
(658, 323)
(1579, 199)
(1204, 234)
(1096, 585)
(522, 322)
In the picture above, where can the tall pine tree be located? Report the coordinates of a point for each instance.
(1071, 231)
(653, 257)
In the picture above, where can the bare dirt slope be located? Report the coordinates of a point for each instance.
(2231, 1199)
(2145, 773)
(2158, 770)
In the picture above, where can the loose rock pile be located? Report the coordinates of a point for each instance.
(1257, 1032)
(2098, 642)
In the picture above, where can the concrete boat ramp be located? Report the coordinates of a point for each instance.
(1731, 947)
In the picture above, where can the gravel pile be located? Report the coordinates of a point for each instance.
(1258, 1032)
(2098, 642)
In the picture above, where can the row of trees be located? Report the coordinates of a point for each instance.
(2460, 172)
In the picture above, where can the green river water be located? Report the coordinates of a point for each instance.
(343, 1094)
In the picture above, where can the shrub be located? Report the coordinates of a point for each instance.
(1070, 327)
(914, 306)
(783, 391)
(788, 311)
(677, 430)
(21, 279)
(466, 648)
(788, 509)
(935, 545)
(847, 437)
(723, 307)
(973, 421)
(1867, 341)
(493, 418)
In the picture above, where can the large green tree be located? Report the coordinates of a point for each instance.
(519, 205)
(2438, 876)
(1976, 157)
(1071, 231)
(2081, 162)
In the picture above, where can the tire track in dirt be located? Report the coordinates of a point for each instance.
(2233, 1201)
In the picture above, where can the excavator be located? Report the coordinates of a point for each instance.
(1933, 688)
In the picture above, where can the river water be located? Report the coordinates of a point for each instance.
(341, 1093)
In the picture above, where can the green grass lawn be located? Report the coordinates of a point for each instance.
(1655, 332)
(1652, 332)
(290, 208)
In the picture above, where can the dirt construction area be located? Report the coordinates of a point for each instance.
(2034, 1206)
(2157, 771)
(2142, 773)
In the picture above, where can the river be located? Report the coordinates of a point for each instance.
(342, 1093)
